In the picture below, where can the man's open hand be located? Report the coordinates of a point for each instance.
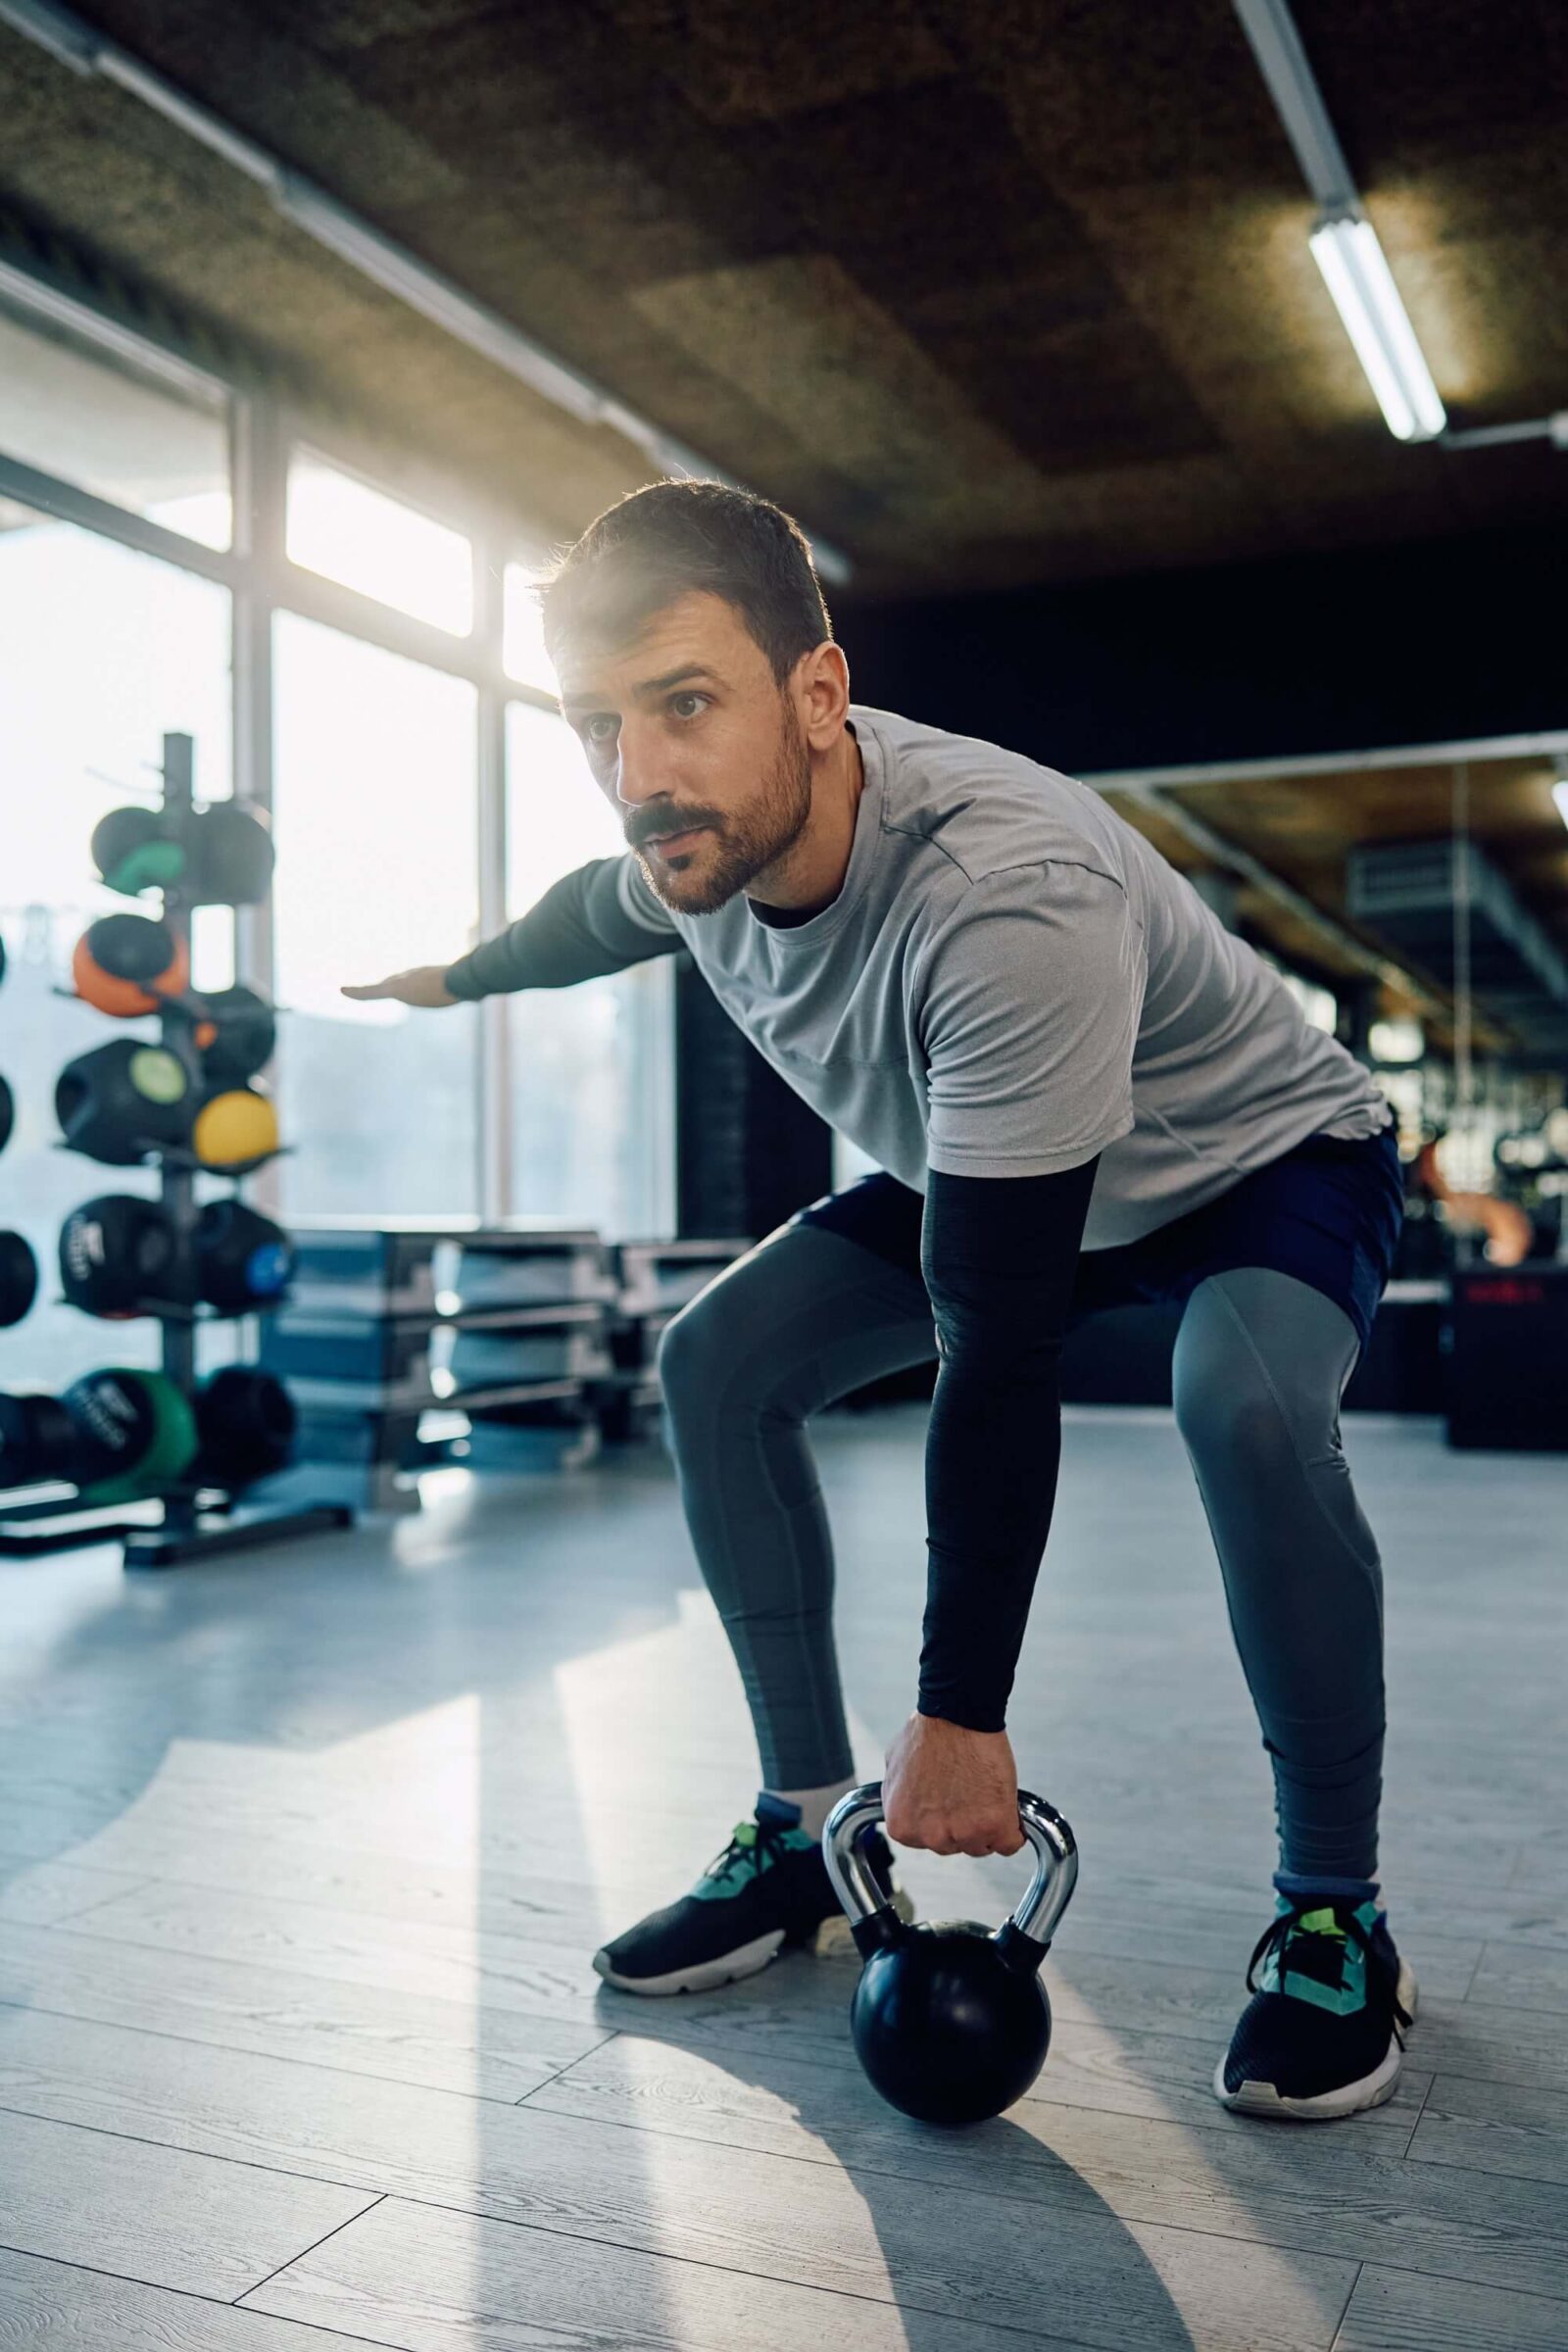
(425, 984)
(951, 1791)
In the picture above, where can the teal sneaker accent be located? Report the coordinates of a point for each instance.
(1316, 1959)
(745, 1858)
(1323, 2035)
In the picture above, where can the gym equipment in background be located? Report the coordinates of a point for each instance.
(236, 1131)
(158, 1437)
(950, 2021)
(231, 857)
(120, 1256)
(1505, 1363)
(136, 1431)
(236, 1035)
(39, 1441)
(8, 1113)
(123, 1100)
(125, 965)
(19, 1277)
(246, 1422)
(243, 1260)
(133, 852)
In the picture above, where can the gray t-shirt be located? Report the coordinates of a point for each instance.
(1011, 979)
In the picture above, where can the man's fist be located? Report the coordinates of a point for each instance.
(951, 1791)
(426, 984)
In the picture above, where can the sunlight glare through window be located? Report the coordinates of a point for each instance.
(364, 540)
(523, 650)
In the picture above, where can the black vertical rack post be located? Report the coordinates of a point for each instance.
(186, 1532)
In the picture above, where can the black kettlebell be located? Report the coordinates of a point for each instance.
(950, 2021)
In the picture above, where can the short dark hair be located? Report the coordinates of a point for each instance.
(671, 539)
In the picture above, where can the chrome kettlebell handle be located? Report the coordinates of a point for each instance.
(1050, 1891)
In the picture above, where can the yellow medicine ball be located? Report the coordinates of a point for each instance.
(236, 1129)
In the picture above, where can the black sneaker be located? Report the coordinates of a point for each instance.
(767, 1892)
(1324, 2033)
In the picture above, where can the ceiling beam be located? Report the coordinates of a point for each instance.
(1271, 885)
(310, 208)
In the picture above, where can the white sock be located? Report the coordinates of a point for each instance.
(816, 1803)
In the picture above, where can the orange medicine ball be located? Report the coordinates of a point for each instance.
(125, 965)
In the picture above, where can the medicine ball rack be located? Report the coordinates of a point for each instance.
(197, 1521)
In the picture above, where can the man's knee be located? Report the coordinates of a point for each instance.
(1237, 1421)
(693, 1352)
(1233, 1409)
(726, 1350)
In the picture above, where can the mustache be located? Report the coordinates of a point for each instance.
(655, 828)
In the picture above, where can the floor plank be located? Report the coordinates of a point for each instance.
(42, 1894)
(717, 2197)
(996, 2239)
(1399, 2311)
(1517, 1975)
(56, 2305)
(1495, 2127)
(302, 1860)
(158, 2213)
(278, 2013)
(1497, 2045)
(440, 2281)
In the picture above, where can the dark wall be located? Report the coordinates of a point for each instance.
(748, 1151)
(1418, 644)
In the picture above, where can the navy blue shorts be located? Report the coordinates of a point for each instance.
(1326, 1212)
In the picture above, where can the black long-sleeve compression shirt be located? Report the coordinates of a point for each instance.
(999, 1255)
(579, 930)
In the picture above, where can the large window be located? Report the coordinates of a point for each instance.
(71, 412)
(376, 827)
(102, 651)
(589, 1065)
(372, 764)
(359, 536)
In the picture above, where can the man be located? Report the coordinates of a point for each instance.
(1085, 1092)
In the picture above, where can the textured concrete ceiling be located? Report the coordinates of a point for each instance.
(988, 291)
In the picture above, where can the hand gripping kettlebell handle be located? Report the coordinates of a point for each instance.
(1050, 1891)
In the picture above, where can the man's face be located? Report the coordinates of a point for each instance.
(697, 749)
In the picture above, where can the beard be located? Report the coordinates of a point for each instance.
(739, 844)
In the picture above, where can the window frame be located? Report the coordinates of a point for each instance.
(264, 429)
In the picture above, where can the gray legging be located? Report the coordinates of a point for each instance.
(1260, 1366)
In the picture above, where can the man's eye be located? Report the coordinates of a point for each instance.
(690, 695)
(603, 719)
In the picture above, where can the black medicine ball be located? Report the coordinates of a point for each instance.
(231, 857)
(123, 1100)
(118, 1255)
(18, 1277)
(243, 1260)
(246, 1036)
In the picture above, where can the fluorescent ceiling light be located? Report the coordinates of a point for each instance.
(1357, 276)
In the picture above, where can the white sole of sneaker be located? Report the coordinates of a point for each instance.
(1351, 2098)
(704, 1975)
(832, 1940)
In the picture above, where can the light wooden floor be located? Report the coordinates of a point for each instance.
(301, 1858)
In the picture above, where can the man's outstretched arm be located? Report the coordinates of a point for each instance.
(598, 920)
